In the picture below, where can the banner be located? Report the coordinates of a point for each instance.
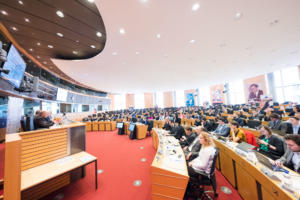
(190, 101)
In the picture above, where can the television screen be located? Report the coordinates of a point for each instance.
(119, 125)
(131, 127)
(16, 65)
(61, 94)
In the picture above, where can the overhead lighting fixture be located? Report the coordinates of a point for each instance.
(75, 52)
(60, 13)
(158, 35)
(30, 49)
(45, 62)
(77, 41)
(192, 41)
(114, 53)
(59, 34)
(238, 15)
(50, 46)
(93, 46)
(122, 30)
(91, 1)
(20, 2)
(14, 28)
(99, 34)
(38, 57)
(26, 20)
(39, 44)
(137, 53)
(196, 6)
(3, 12)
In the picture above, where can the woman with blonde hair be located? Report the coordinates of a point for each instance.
(202, 164)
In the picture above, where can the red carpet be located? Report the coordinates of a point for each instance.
(2, 152)
(120, 159)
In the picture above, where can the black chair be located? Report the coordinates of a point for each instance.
(206, 180)
(22, 121)
(29, 123)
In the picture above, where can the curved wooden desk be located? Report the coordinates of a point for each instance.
(168, 170)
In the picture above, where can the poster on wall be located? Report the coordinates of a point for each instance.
(255, 88)
(217, 95)
(190, 101)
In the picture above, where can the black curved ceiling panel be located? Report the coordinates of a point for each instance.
(36, 27)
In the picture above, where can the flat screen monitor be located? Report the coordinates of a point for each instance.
(131, 127)
(16, 66)
(119, 125)
(61, 95)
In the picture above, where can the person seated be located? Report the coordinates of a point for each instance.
(201, 165)
(207, 124)
(41, 121)
(222, 129)
(236, 134)
(197, 121)
(275, 122)
(191, 151)
(167, 125)
(189, 138)
(238, 119)
(269, 145)
(291, 158)
(293, 127)
(179, 131)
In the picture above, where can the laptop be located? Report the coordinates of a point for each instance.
(244, 146)
(266, 162)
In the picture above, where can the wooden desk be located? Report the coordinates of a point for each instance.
(247, 177)
(169, 174)
(141, 131)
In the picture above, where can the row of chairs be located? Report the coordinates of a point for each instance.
(27, 123)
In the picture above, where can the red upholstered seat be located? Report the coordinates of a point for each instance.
(250, 138)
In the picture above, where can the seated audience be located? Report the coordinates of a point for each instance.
(222, 129)
(294, 126)
(189, 138)
(291, 158)
(41, 120)
(167, 125)
(207, 124)
(270, 145)
(191, 151)
(236, 134)
(197, 122)
(275, 122)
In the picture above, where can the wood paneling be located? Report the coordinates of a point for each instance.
(168, 99)
(148, 100)
(112, 103)
(216, 94)
(129, 100)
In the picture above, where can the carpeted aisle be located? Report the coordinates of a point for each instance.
(120, 160)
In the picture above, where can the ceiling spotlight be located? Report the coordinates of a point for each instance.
(39, 44)
(59, 34)
(60, 13)
(122, 30)
(45, 62)
(192, 41)
(3, 12)
(30, 49)
(26, 20)
(238, 15)
(196, 6)
(158, 35)
(77, 41)
(38, 57)
(14, 28)
(91, 1)
(137, 53)
(20, 2)
(93, 46)
(75, 52)
(99, 34)
(114, 53)
(50, 46)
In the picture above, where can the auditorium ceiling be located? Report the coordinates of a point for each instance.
(163, 45)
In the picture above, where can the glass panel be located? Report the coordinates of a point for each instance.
(120, 102)
(160, 99)
(139, 101)
(30, 107)
(180, 102)
(236, 92)
(204, 95)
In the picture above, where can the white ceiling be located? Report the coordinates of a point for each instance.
(265, 38)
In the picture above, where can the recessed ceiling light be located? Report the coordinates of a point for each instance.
(196, 6)
(99, 34)
(165, 55)
(91, 1)
(122, 30)
(93, 46)
(14, 28)
(3, 12)
(30, 49)
(45, 62)
(59, 34)
(26, 20)
(50, 46)
(60, 13)
(137, 53)
(38, 57)
(39, 44)
(158, 35)
(192, 41)
(223, 45)
(238, 15)
(20, 2)
(77, 41)
(75, 52)
(114, 53)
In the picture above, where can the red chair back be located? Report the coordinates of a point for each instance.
(250, 138)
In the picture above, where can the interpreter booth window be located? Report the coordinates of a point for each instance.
(55, 108)
(30, 107)
(179, 95)
(287, 84)
(120, 102)
(65, 108)
(160, 99)
(74, 108)
(236, 92)
(99, 107)
(85, 108)
(139, 101)
(204, 95)
(46, 106)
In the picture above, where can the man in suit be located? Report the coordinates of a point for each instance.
(294, 126)
(41, 120)
(275, 122)
(167, 125)
(222, 129)
(189, 138)
(179, 131)
(191, 151)
(254, 93)
(291, 158)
